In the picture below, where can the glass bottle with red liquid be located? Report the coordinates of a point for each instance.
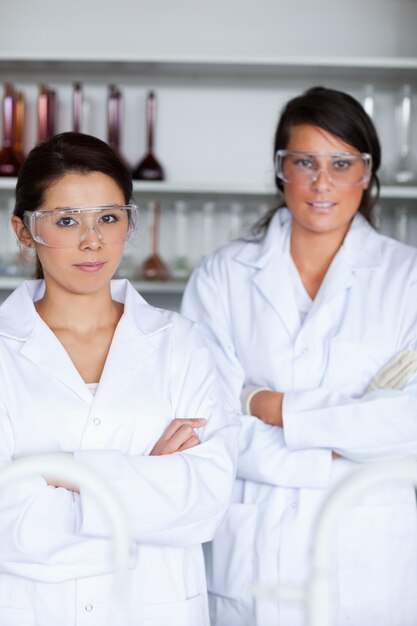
(114, 121)
(46, 112)
(149, 168)
(9, 161)
(154, 267)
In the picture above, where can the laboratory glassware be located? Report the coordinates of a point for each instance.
(77, 106)
(208, 211)
(369, 101)
(149, 168)
(317, 595)
(405, 170)
(19, 125)
(154, 267)
(114, 118)
(62, 467)
(9, 161)
(46, 112)
(181, 267)
(236, 220)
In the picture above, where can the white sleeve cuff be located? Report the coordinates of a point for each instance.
(248, 392)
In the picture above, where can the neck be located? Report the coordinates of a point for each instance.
(313, 253)
(81, 313)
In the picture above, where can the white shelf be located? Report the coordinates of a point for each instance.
(7, 183)
(204, 189)
(159, 286)
(399, 192)
(207, 67)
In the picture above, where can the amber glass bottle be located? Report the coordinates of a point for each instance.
(19, 125)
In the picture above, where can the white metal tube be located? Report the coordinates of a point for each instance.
(63, 467)
(319, 592)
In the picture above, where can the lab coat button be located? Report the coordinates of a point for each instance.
(97, 421)
(88, 608)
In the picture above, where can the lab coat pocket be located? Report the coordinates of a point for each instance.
(230, 556)
(188, 612)
(351, 366)
(16, 616)
(376, 555)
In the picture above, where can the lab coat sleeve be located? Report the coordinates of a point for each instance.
(263, 453)
(382, 425)
(180, 498)
(38, 528)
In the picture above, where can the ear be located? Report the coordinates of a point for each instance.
(22, 232)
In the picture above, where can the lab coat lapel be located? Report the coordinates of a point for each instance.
(132, 343)
(360, 251)
(128, 353)
(339, 277)
(275, 286)
(19, 321)
(44, 350)
(268, 262)
(135, 340)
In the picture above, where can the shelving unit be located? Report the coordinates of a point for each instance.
(183, 190)
(195, 94)
(395, 69)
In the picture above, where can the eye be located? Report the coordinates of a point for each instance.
(303, 163)
(65, 222)
(109, 218)
(342, 164)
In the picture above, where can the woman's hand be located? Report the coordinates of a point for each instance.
(53, 482)
(179, 436)
(267, 406)
(61, 483)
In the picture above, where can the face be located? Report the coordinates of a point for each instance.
(319, 206)
(89, 265)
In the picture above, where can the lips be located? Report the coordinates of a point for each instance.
(321, 207)
(89, 267)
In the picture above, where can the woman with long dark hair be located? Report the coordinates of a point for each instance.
(302, 316)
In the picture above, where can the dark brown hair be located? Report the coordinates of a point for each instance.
(341, 115)
(68, 152)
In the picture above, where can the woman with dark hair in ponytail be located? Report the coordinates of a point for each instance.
(89, 369)
(313, 322)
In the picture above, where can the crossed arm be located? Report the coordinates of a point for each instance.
(180, 435)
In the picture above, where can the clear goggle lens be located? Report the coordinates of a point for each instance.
(343, 169)
(67, 227)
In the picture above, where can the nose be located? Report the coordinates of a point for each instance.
(92, 238)
(322, 180)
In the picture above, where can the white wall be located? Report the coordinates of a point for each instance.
(211, 29)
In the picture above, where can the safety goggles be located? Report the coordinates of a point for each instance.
(343, 169)
(67, 227)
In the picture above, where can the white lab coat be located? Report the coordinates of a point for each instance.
(55, 552)
(363, 314)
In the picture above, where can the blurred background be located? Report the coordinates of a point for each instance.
(189, 93)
